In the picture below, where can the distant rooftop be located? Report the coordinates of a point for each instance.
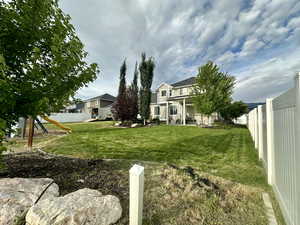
(253, 105)
(188, 81)
(105, 96)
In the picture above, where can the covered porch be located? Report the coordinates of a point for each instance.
(180, 110)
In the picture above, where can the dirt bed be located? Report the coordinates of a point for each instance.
(177, 196)
(109, 177)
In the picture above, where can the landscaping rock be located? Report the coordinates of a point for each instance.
(17, 195)
(135, 125)
(85, 206)
(117, 124)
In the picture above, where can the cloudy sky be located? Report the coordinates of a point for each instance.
(256, 41)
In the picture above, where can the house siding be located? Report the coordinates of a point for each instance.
(180, 95)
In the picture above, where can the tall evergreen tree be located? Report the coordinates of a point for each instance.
(133, 95)
(122, 85)
(146, 68)
(120, 108)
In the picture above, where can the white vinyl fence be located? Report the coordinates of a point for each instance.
(275, 129)
(68, 117)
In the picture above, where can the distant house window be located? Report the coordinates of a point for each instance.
(163, 93)
(170, 92)
(173, 110)
(181, 91)
(157, 110)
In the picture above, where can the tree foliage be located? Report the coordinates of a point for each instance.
(42, 61)
(213, 89)
(126, 106)
(233, 111)
(120, 108)
(146, 68)
(133, 95)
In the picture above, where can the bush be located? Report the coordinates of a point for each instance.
(127, 123)
(155, 121)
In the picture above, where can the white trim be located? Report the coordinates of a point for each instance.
(162, 85)
(183, 86)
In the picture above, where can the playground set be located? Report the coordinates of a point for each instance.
(36, 124)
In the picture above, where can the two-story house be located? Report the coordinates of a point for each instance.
(99, 107)
(173, 104)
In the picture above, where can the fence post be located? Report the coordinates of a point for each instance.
(260, 131)
(297, 153)
(136, 186)
(270, 140)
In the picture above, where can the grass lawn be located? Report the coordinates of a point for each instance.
(225, 157)
(228, 153)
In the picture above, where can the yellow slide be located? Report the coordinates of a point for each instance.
(57, 124)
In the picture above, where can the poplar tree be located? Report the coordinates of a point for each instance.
(133, 95)
(146, 68)
(120, 108)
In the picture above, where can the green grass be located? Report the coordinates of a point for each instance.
(228, 153)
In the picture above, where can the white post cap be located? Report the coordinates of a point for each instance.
(136, 169)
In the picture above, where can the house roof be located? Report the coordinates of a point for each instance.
(253, 105)
(106, 97)
(154, 97)
(188, 81)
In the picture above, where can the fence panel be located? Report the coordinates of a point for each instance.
(264, 144)
(68, 117)
(275, 129)
(284, 108)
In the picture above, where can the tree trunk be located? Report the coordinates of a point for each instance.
(30, 133)
(24, 128)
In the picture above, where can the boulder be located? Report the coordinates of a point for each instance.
(135, 125)
(17, 195)
(84, 206)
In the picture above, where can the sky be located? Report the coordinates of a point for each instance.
(258, 42)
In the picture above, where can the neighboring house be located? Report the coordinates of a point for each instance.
(173, 104)
(74, 108)
(99, 107)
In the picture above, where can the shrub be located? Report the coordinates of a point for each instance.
(155, 121)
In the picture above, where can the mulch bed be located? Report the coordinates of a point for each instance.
(71, 174)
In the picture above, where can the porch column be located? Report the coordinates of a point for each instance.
(167, 113)
(184, 112)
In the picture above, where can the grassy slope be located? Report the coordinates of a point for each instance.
(227, 153)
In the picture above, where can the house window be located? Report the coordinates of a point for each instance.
(181, 91)
(170, 92)
(157, 111)
(173, 110)
(163, 93)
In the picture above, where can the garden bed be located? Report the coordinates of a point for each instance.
(173, 195)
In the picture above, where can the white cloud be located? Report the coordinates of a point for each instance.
(268, 78)
(239, 34)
